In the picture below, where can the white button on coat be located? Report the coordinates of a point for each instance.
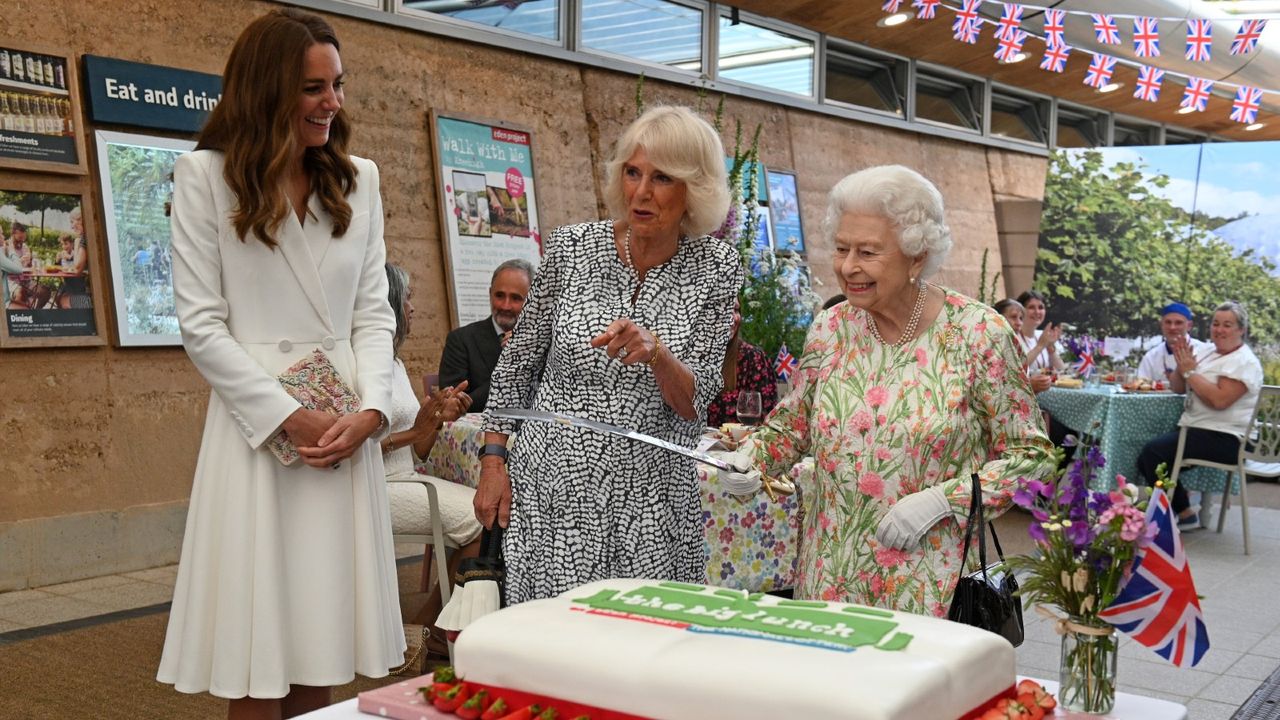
(285, 346)
(328, 343)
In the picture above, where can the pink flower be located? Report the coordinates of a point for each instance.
(955, 300)
(833, 594)
(889, 557)
(862, 421)
(871, 484)
(877, 396)
(877, 585)
(921, 358)
(883, 454)
(824, 521)
(996, 369)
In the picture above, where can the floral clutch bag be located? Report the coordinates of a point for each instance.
(316, 384)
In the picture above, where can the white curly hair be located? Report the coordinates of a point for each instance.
(907, 199)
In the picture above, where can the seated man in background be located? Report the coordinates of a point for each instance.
(1175, 324)
(471, 351)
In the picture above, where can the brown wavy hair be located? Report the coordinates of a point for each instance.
(253, 125)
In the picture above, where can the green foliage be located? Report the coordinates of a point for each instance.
(988, 293)
(1112, 251)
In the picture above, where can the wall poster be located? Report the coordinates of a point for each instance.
(488, 205)
(784, 210)
(39, 111)
(51, 302)
(137, 186)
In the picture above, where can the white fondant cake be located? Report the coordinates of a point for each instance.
(675, 651)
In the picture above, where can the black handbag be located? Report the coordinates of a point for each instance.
(986, 598)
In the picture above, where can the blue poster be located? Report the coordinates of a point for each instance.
(784, 210)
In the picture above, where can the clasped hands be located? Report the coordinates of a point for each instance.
(627, 341)
(324, 440)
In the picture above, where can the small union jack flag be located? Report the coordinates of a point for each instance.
(1055, 58)
(1055, 28)
(891, 6)
(1010, 46)
(1244, 108)
(1196, 95)
(1010, 20)
(1148, 87)
(1146, 37)
(1247, 36)
(925, 9)
(1158, 605)
(786, 364)
(969, 33)
(1099, 72)
(966, 18)
(1106, 28)
(1199, 40)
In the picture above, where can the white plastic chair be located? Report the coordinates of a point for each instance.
(439, 543)
(1262, 459)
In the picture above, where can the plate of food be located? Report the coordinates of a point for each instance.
(1070, 383)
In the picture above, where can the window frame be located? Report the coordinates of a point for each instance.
(900, 71)
(703, 6)
(974, 83)
(712, 62)
(565, 7)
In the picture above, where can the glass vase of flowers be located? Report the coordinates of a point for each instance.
(1086, 541)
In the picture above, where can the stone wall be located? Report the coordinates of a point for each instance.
(99, 444)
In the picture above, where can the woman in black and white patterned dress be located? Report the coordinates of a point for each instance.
(627, 323)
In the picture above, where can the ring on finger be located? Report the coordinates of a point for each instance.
(622, 353)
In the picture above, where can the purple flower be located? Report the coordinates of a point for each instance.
(1080, 535)
(1099, 502)
(1042, 489)
(1040, 515)
(1023, 498)
(1036, 531)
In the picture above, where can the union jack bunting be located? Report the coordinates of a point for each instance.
(1247, 36)
(1158, 605)
(1244, 108)
(966, 18)
(925, 9)
(891, 6)
(1010, 45)
(1146, 37)
(786, 364)
(1055, 58)
(1148, 87)
(1197, 93)
(1099, 72)
(1106, 28)
(969, 33)
(1010, 20)
(1055, 28)
(1199, 40)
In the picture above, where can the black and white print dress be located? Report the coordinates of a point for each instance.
(588, 506)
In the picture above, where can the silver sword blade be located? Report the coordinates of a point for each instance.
(603, 427)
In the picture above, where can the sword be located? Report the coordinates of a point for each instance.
(603, 427)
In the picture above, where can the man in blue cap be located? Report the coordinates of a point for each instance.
(1175, 322)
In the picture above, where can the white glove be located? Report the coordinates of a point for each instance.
(746, 481)
(911, 517)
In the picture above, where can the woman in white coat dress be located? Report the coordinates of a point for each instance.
(287, 583)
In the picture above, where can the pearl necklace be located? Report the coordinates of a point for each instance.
(626, 247)
(910, 331)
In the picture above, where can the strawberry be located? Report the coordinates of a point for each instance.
(498, 709)
(473, 707)
(453, 698)
(428, 692)
(1039, 697)
(549, 714)
(524, 713)
(445, 674)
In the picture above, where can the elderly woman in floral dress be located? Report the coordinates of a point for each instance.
(903, 392)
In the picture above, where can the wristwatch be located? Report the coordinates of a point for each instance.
(1186, 375)
(494, 449)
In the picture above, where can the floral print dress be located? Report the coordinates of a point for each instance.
(884, 422)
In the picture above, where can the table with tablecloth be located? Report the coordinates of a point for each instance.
(1122, 423)
(751, 542)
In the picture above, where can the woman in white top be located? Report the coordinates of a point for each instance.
(1039, 346)
(414, 427)
(1222, 382)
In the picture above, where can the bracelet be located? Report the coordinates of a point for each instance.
(657, 348)
(494, 449)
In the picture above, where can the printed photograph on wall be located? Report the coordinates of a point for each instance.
(39, 111)
(48, 284)
(784, 211)
(137, 188)
(488, 205)
(471, 204)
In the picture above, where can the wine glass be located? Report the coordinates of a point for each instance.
(749, 407)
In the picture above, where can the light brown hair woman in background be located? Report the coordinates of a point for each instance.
(287, 582)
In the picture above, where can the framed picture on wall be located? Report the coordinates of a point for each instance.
(488, 205)
(784, 211)
(39, 110)
(136, 172)
(52, 271)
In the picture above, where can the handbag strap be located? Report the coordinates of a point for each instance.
(976, 517)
